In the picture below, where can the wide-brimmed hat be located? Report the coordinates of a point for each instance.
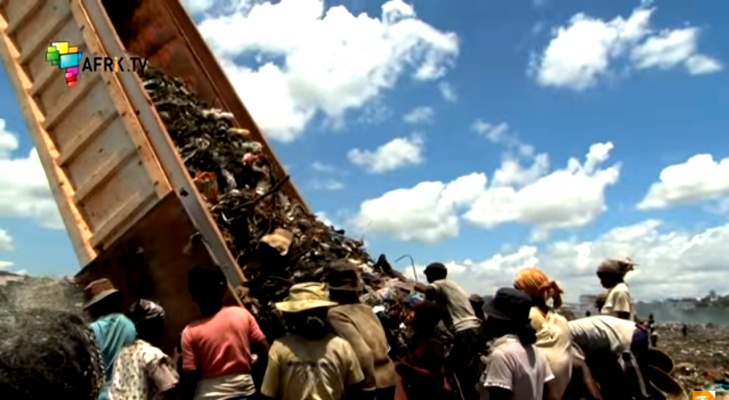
(305, 296)
(509, 304)
(343, 275)
(98, 290)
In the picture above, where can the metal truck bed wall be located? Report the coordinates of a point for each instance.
(124, 194)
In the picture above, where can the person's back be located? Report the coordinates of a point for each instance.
(519, 368)
(371, 341)
(460, 312)
(602, 333)
(142, 371)
(554, 341)
(619, 300)
(219, 348)
(311, 369)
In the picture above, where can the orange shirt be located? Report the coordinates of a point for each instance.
(221, 345)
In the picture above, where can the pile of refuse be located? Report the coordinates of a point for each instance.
(276, 241)
(21, 292)
(701, 358)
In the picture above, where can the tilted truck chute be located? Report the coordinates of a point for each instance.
(126, 199)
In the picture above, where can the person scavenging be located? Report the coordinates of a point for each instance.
(553, 333)
(142, 370)
(217, 350)
(423, 371)
(357, 324)
(310, 362)
(515, 368)
(461, 320)
(48, 354)
(618, 300)
(113, 330)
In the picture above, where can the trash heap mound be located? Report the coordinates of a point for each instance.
(275, 240)
(22, 293)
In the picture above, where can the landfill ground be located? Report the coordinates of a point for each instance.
(701, 359)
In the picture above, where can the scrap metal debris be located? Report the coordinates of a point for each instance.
(275, 240)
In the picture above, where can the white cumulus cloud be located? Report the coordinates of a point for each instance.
(334, 61)
(6, 241)
(24, 191)
(419, 115)
(671, 262)
(395, 154)
(448, 92)
(570, 197)
(424, 213)
(699, 179)
(586, 50)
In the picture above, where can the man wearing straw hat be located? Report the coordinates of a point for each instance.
(310, 362)
(113, 330)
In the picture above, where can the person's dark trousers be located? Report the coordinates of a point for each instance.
(464, 359)
(639, 347)
(385, 393)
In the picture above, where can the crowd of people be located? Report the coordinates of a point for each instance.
(514, 345)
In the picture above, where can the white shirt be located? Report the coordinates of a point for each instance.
(519, 368)
(619, 300)
(602, 332)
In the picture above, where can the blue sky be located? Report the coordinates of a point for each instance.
(471, 115)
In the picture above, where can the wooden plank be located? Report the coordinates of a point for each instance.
(165, 149)
(127, 112)
(134, 202)
(61, 188)
(80, 90)
(31, 6)
(43, 80)
(99, 121)
(103, 174)
(43, 39)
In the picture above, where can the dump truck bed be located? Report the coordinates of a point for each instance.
(125, 196)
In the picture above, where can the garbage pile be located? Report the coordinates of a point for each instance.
(20, 293)
(701, 358)
(276, 241)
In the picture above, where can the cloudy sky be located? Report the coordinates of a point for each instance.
(492, 135)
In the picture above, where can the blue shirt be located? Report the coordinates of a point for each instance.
(113, 332)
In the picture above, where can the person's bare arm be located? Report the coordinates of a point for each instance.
(550, 391)
(498, 393)
(189, 374)
(583, 375)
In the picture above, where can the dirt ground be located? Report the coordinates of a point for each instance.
(701, 358)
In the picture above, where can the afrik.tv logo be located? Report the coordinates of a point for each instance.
(70, 59)
(703, 395)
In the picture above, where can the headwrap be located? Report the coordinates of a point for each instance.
(535, 283)
(618, 266)
(145, 310)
